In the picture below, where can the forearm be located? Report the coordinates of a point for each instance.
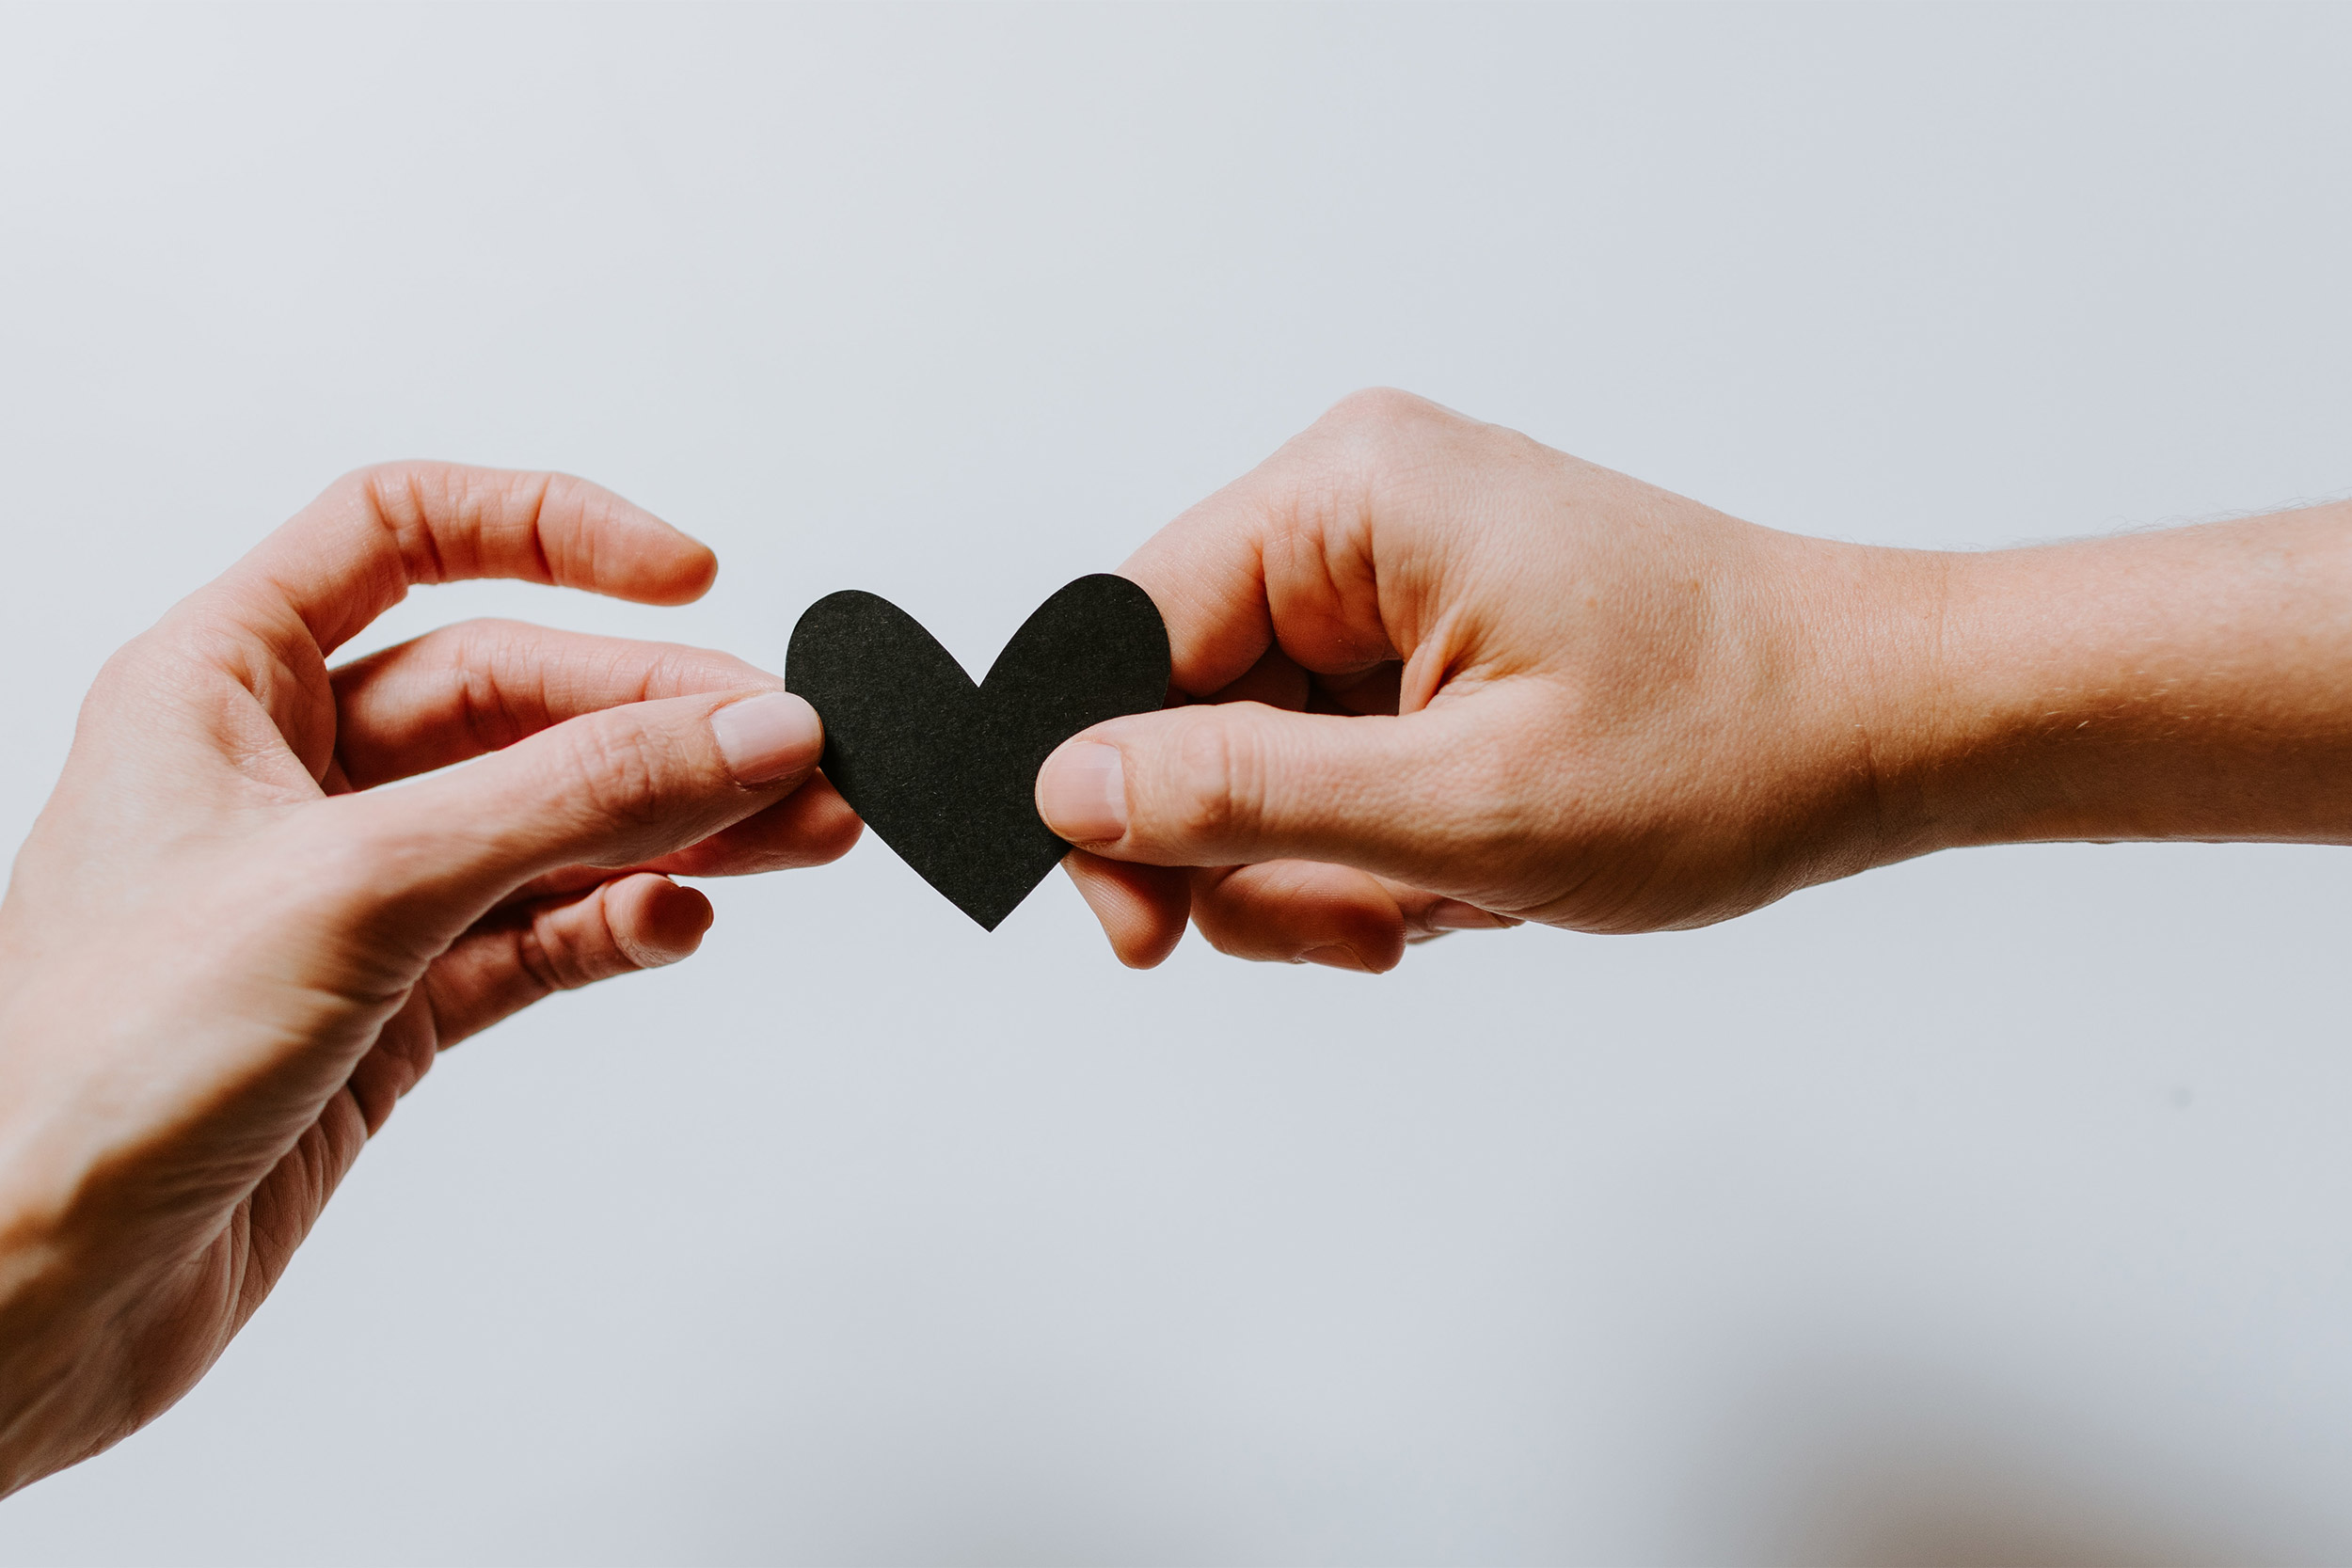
(2192, 684)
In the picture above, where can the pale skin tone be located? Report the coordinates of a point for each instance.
(1440, 677)
(225, 952)
(1538, 690)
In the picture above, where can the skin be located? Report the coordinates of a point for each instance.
(1439, 676)
(225, 954)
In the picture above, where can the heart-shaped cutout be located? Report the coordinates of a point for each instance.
(945, 770)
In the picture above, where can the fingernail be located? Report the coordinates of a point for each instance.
(1082, 793)
(1451, 914)
(768, 737)
(1335, 957)
(647, 954)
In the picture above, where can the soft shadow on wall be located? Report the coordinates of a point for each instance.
(1907, 1468)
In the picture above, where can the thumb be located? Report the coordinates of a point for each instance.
(1236, 783)
(611, 788)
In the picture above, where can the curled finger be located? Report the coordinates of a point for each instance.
(527, 950)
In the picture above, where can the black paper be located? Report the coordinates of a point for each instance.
(945, 770)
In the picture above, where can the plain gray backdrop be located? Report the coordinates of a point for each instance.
(1992, 1208)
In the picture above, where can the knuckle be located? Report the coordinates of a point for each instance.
(526, 498)
(616, 775)
(534, 492)
(403, 499)
(490, 644)
(1219, 780)
(363, 485)
(155, 658)
(476, 657)
(1235, 922)
(566, 948)
(1386, 438)
(1356, 438)
(398, 475)
(208, 635)
(1371, 450)
(1378, 421)
(523, 498)
(1376, 409)
(535, 958)
(395, 492)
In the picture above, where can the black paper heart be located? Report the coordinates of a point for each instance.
(945, 770)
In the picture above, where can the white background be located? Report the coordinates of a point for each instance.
(1990, 1209)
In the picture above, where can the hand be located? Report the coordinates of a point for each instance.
(1445, 679)
(225, 954)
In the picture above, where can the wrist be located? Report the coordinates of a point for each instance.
(2193, 684)
(1869, 620)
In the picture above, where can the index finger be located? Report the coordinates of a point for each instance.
(357, 550)
(1289, 556)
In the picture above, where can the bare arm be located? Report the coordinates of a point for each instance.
(1444, 678)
